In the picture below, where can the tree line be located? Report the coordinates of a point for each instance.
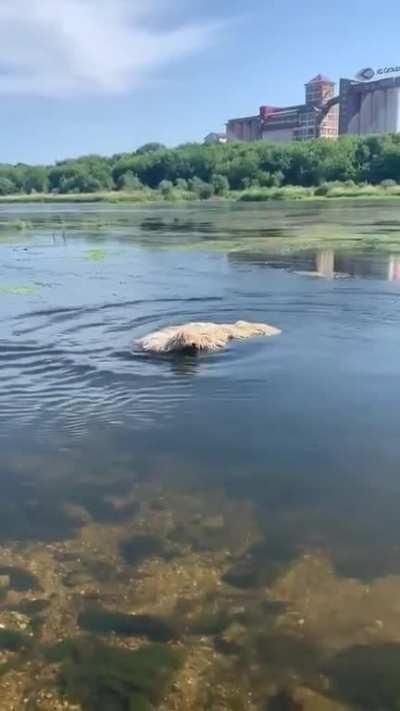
(215, 169)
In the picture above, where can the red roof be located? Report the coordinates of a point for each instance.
(320, 79)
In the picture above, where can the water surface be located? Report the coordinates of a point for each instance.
(248, 498)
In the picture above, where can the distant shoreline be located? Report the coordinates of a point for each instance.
(329, 192)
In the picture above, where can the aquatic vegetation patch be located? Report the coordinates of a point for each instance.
(262, 563)
(102, 621)
(209, 623)
(20, 579)
(97, 500)
(285, 652)
(101, 509)
(14, 640)
(19, 225)
(367, 676)
(138, 548)
(31, 607)
(283, 701)
(100, 677)
(96, 255)
(77, 578)
(25, 520)
(18, 289)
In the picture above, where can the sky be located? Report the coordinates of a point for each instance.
(106, 76)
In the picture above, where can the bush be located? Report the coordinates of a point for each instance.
(220, 184)
(129, 181)
(255, 195)
(268, 180)
(206, 191)
(322, 190)
(202, 189)
(166, 188)
(249, 183)
(388, 183)
(182, 184)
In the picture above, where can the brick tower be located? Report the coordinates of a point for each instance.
(319, 90)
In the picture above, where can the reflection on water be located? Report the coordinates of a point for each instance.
(328, 263)
(213, 532)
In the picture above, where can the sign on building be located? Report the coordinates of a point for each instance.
(369, 74)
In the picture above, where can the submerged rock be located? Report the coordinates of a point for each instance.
(100, 620)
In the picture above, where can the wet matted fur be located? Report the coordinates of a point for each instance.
(202, 336)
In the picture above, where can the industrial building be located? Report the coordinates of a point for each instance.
(318, 116)
(370, 103)
(370, 106)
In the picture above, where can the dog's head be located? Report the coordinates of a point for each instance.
(193, 340)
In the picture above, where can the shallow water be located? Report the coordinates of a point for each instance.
(251, 495)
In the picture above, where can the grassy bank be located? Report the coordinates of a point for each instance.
(103, 196)
(327, 191)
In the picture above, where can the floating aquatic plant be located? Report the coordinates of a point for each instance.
(18, 290)
(96, 255)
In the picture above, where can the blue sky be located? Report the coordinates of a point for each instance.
(105, 76)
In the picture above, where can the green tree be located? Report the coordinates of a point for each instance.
(150, 148)
(7, 187)
(36, 180)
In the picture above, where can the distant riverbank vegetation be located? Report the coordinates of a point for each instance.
(365, 166)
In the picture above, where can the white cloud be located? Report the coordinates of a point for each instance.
(61, 47)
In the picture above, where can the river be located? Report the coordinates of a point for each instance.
(241, 507)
